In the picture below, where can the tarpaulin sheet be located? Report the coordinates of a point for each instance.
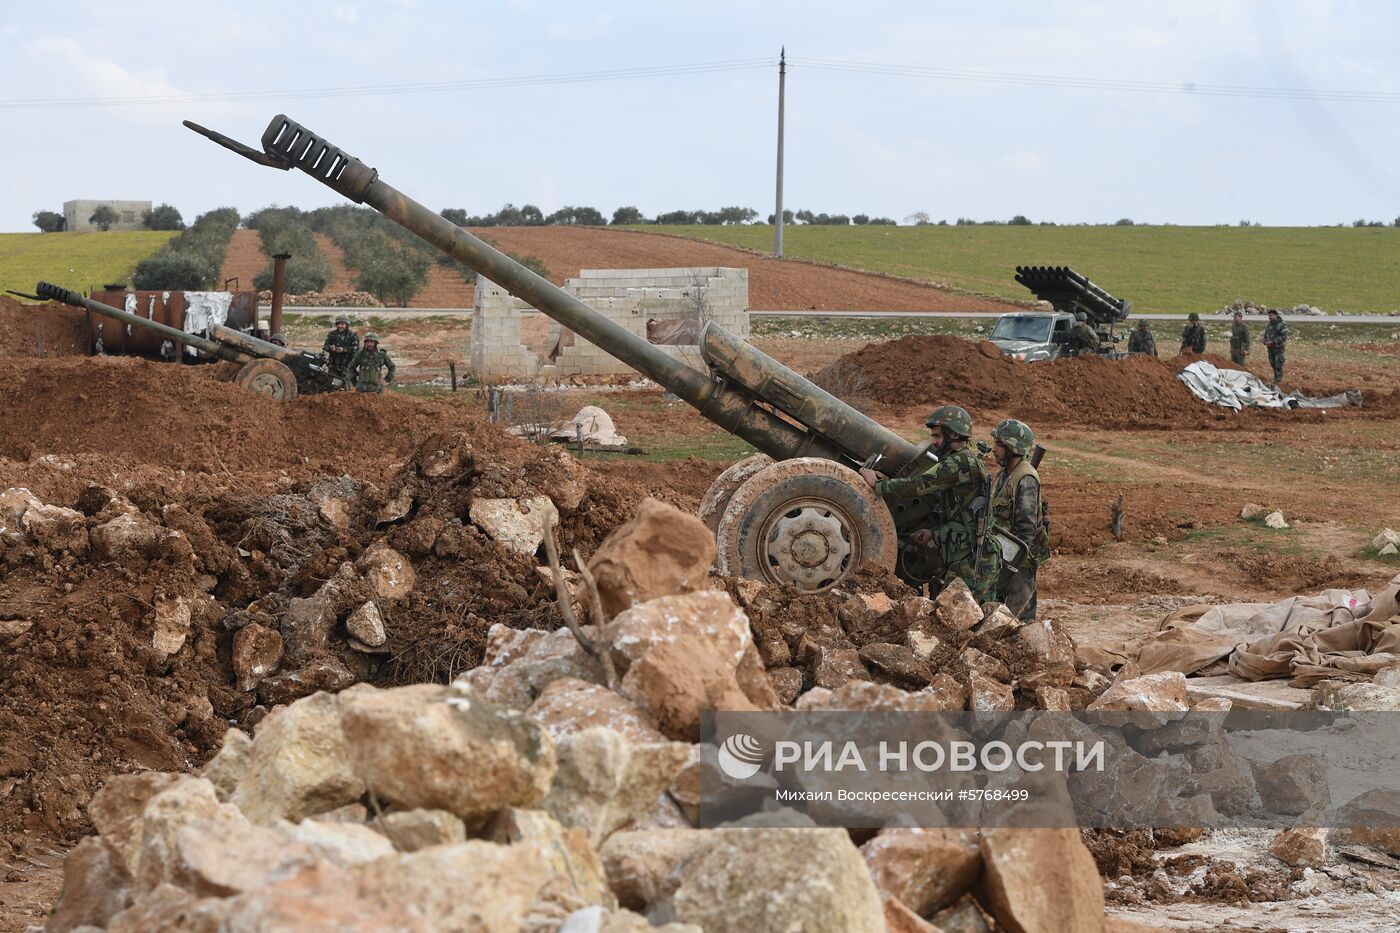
(1335, 634)
(1237, 389)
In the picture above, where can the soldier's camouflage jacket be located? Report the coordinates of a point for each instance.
(1193, 338)
(1276, 335)
(1142, 341)
(954, 483)
(365, 368)
(346, 340)
(1239, 336)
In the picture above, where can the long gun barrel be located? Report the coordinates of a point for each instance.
(748, 394)
(47, 291)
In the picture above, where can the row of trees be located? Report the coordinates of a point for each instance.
(289, 230)
(528, 215)
(193, 259)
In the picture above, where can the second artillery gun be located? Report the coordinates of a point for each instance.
(797, 513)
(268, 368)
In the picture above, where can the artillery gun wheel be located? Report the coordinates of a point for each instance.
(807, 522)
(272, 378)
(726, 484)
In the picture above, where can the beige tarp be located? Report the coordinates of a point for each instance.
(1337, 634)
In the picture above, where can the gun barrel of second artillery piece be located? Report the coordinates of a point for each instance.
(50, 292)
(252, 346)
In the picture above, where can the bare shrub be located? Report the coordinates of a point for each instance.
(846, 379)
(533, 409)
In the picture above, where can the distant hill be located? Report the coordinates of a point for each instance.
(1166, 269)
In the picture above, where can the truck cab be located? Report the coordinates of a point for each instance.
(1033, 336)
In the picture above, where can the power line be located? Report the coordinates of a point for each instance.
(1097, 84)
(375, 90)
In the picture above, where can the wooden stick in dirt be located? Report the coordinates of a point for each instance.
(566, 603)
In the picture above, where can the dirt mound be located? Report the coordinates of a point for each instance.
(1093, 391)
(234, 512)
(48, 329)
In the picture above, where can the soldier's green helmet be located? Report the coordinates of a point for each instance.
(1080, 316)
(1193, 316)
(341, 319)
(1016, 435)
(371, 336)
(953, 417)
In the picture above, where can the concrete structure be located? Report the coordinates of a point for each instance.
(129, 214)
(675, 301)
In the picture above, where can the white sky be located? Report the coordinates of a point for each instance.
(856, 142)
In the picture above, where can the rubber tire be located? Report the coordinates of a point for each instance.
(768, 492)
(725, 485)
(272, 378)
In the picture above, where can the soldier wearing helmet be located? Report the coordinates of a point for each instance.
(1239, 340)
(1193, 335)
(953, 485)
(371, 367)
(340, 347)
(1142, 341)
(1016, 507)
(1082, 338)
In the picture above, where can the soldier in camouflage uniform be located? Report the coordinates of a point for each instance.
(371, 368)
(1193, 335)
(1142, 341)
(1082, 338)
(1016, 507)
(955, 483)
(340, 347)
(1276, 338)
(1239, 340)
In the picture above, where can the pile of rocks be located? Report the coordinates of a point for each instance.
(940, 655)
(1250, 308)
(532, 794)
(326, 299)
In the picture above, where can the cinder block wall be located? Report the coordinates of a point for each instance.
(631, 297)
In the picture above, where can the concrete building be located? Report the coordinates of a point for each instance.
(129, 214)
(664, 305)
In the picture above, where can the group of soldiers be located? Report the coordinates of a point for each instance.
(367, 368)
(977, 511)
(1193, 339)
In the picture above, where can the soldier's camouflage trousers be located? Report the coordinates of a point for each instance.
(1017, 592)
(1276, 361)
(1237, 357)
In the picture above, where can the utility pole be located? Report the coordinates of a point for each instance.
(778, 211)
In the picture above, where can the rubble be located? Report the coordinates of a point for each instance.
(1275, 519)
(518, 524)
(1294, 784)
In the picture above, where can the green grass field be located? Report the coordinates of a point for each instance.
(81, 261)
(1161, 269)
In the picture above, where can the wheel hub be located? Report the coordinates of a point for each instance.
(809, 545)
(267, 384)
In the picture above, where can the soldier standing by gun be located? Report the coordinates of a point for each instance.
(340, 347)
(1239, 340)
(957, 481)
(1017, 508)
(1193, 335)
(371, 367)
(1082, 338)
(1276, 338)
(1142, 341)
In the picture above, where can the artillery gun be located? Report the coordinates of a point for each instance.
(1031, 336)
(798, 512)
(268, 368)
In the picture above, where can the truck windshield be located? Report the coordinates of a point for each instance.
(1031, 327)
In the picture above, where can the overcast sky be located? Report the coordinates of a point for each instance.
(1011, 139)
